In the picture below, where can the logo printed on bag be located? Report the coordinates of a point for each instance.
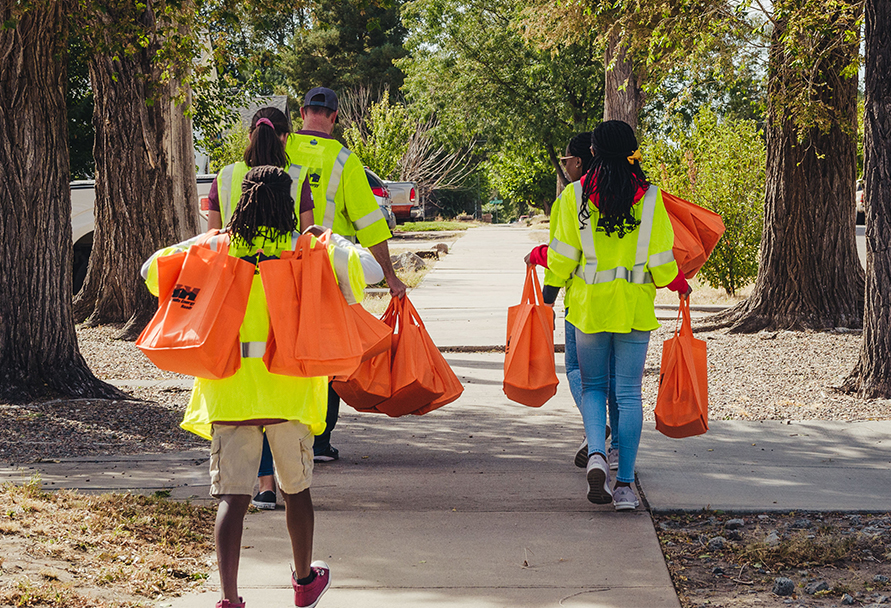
(185, 295)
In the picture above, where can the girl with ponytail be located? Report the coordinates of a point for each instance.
(268, 134)
(611, 246)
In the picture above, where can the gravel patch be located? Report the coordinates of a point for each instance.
(774, 376)
(765, 376)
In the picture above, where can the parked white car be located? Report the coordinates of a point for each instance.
(83, 199)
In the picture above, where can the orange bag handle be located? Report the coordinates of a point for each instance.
(532, 288)
(223, 244)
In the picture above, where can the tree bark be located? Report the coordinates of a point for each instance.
(622, 94)
(39, 355)
(146, 197)
(871, 377)
(809, 274)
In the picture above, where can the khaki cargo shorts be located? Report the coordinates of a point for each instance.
(235, 457)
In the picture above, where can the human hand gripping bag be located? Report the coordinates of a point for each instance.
(312, 331)
(530, 375)
(202, 298)
(682, 401)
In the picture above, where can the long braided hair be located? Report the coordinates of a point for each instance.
(265, 208)
(614, 177)
(266, 147)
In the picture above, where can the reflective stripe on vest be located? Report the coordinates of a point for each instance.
(224, 192)
(368, 220)
(254, 350)
(638, 274)
(333, 185)
(296, 172)
(566, 250)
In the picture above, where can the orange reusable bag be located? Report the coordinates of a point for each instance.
(202, 299)
(370, 383)
(375, 335)
(530, 375)
(413, 380)
(312, 331)
(696, 232)
(682, 402)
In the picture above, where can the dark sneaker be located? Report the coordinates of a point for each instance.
(597, 474)
(307, 596)
(612, 458)
(264, 500)
(624, 499)
(327, 454)
(228, 604)
(581, 456)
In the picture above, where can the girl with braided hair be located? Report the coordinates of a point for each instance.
(240, 412)
(611, 246)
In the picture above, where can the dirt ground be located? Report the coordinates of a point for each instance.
(797, 559)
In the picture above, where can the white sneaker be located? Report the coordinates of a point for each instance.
(624, 499)
(612, 458)
(597, 474)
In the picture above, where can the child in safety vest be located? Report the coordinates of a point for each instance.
(234, 412)
(611, 246)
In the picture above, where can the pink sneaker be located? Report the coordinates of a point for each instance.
(228, 604)
(307, 596)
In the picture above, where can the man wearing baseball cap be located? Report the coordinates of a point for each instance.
(343, 202)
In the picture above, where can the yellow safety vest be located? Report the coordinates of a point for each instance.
(229, 186)
(340, 190)
(253, 392)
(611, 282)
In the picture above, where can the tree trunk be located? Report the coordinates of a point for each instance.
(809, 274)
(146, 196)
(39, 356)
(622, 94)
(562, 178)
(871, 377)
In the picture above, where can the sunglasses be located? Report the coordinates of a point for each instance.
(563, 160)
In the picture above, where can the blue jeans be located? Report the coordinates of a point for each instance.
(574, 378)
(628, 353)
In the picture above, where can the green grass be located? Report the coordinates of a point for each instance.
(431, 226)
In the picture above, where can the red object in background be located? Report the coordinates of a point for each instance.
(205, 203)
(381, 192)
(411, 196)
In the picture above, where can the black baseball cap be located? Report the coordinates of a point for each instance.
(322, 98)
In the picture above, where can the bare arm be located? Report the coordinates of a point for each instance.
(306, 220)
(214, 220)
(381, 253)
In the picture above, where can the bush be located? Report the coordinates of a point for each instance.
(720, 165)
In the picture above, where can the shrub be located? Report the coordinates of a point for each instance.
(720, 165)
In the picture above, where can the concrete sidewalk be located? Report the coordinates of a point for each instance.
(478, 504)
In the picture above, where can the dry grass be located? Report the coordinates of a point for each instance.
(68, 549)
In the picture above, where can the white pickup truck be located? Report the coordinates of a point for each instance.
(403, 200)
(83, 199)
